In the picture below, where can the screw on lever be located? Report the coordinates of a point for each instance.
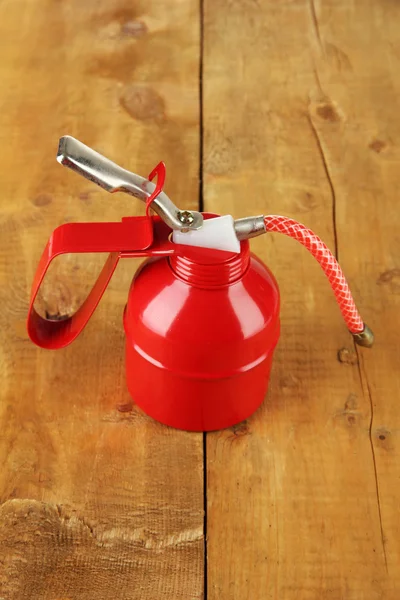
(113, 178)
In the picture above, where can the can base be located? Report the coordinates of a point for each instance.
(195, 404)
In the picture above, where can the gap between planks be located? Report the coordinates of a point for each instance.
(201, 209)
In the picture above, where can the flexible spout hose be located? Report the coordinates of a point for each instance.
(332, 270)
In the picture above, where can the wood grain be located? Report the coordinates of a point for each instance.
(301, 119)
(98, 501)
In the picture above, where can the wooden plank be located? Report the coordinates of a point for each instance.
(367, 180)
(98, 501)
(300, 119)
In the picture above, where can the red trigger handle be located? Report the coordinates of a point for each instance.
(159, 170)
(132, 237)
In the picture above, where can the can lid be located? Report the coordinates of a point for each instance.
(218, 233)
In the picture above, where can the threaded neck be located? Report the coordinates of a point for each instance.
(212, 274)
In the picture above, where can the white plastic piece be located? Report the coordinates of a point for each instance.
(218, 233)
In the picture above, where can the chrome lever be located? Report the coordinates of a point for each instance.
(113, 178)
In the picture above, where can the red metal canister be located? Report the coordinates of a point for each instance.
(200, 338)
(201, 321)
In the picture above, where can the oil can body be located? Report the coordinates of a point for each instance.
(200, 339)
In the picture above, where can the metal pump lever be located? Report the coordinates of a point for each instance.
(108, 175)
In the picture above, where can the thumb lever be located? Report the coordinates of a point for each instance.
(113, 178)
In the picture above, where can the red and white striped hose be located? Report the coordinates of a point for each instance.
(329, 264)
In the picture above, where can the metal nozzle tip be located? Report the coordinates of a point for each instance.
(364, 338)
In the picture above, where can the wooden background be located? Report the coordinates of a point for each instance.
(257, 106)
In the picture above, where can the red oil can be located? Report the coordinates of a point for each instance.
(201, 323)
(200, 339)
